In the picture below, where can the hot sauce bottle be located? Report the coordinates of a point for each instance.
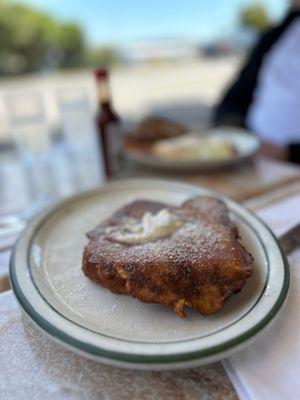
(108, 126)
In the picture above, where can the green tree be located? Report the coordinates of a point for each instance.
(72, 45)
(31, 40)
(255, 17)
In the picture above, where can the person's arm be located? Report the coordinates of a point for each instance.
(294, 148)
(271, 150)
(294, 152)
(296, 4)
(234, 106)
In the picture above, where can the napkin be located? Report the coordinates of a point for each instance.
(270, 368)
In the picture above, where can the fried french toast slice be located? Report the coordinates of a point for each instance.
(186, 256)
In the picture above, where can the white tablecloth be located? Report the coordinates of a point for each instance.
(270, 368)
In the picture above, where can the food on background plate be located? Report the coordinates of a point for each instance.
(165, 139)
(194, 147)
(152, 129)
(186, 256)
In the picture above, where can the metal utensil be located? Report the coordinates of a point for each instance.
(291, 239)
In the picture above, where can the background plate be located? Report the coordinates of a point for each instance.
(246, 144)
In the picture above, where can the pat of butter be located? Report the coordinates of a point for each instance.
(150, 228)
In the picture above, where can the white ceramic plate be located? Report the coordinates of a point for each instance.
(47, 280)
(246, 144)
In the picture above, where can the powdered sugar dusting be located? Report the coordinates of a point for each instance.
(197, 238)
(198, 265)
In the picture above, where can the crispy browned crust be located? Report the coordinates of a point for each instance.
(198, 266)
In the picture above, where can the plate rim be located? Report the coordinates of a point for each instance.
(159, 359)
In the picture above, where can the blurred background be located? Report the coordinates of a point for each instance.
(170, 55)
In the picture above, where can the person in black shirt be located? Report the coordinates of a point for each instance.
(235, 104)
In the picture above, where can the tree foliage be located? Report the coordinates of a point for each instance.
(255, 17)
(31, 40)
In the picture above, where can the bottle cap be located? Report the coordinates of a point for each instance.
(101, 73)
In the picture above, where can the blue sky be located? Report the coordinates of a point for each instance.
(123, 21)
